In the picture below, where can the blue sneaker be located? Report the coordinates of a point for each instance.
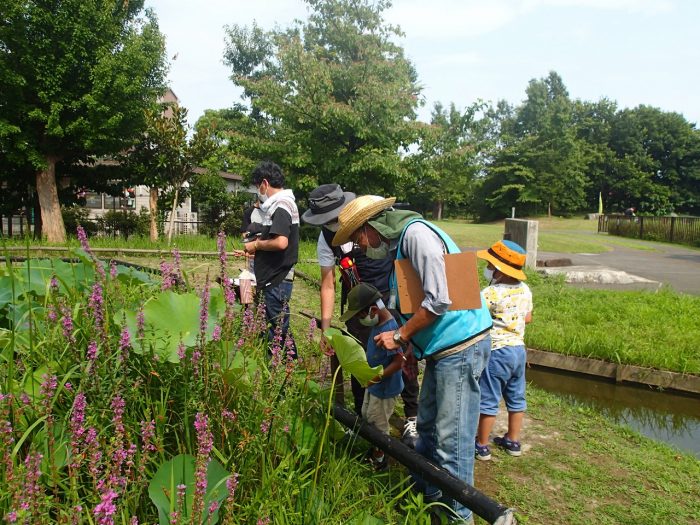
(482, 452)
(512, 448)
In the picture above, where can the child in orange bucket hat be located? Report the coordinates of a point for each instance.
(510, 302)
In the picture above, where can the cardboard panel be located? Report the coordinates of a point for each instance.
(462, 283)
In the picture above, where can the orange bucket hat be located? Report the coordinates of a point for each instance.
(507, 257)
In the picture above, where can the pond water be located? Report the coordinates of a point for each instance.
(662, 416)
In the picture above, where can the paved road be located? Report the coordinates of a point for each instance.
(673, 265)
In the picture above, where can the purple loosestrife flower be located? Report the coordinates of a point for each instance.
(67, 324)
(105, 509)
(264, 521)
(216, 335)
(181, 351)
(117, 406)
(134, 521)
(96, 303)
(221, 247)
(77, 430)
(312, 330)
(167, 272)
(140, 323)
(231, 485)
(124, 344)
(113, 269)
(265, 426)
(92, 351)
(53, 285)
(31, 492)
(176, 258)
(148, 433)
(51, 314)
(47, 389)
(204, 311)
(82, 237)
(205, 443)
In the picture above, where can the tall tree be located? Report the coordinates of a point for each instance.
(165, 158)
(75, 78)
(451, 153)
(339, 93)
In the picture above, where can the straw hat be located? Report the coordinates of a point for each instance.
(358, 212)
(507, 257)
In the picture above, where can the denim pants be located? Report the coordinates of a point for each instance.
(277, 311)
(448, 414)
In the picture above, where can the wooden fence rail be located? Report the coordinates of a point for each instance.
(681, 230)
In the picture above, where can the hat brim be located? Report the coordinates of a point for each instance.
(348, 314)
(348, 227)
(501, 266)
(319, 219)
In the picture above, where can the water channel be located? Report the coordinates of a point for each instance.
(662, 416)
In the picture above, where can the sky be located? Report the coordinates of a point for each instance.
(630, 51)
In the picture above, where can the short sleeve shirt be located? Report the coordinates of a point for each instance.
(509, 304)
(271, 267)
(389, 386)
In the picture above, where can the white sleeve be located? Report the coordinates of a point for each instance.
(324, 253)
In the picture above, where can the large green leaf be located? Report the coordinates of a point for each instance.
(352, 356)
(170, 318)
(180, 471)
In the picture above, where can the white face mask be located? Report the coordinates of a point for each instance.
(488, 274)
(262, 197)
(368, 320)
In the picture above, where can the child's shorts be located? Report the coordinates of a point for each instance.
(378, 411)
(504, 376)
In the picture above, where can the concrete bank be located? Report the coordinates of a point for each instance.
(686, 383)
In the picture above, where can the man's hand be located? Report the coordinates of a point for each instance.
(386, 340)
(250, 247)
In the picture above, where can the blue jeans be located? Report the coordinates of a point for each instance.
(504, 376)
(277, 312)
(448, 414)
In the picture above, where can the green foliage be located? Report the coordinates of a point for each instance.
(218, 209)
(163, 488)
(226, 404)
(74, 216)
(75, 78)
(333, 98)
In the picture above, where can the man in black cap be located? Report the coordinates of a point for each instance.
(325, 204)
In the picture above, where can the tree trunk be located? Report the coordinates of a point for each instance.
(172, 215)
(153, 209)
(51, 218)
(549, 210)
(437, 210)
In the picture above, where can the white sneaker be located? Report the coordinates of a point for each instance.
(410, 434)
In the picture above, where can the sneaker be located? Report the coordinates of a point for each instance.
(410, 434)
(512, 448)
(379, 463)
(482, 452)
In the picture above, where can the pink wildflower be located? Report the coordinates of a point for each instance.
(105, 510)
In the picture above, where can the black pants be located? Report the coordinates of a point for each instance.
(409, 374)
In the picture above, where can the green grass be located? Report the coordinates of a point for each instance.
(580, 469)
(659, 330)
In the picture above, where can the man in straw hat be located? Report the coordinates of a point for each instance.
(454, 343)
(510, 302)
(325, 204)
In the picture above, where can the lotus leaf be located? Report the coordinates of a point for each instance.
(169, 319)
(180, 471)
(352, 356)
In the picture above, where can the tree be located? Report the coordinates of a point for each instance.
(451, 153)
(75, 79)
(166, 158)
(337, 91)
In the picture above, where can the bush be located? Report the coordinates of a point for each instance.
(122, 223)
(74, 216)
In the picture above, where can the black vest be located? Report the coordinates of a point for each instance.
(372, 271)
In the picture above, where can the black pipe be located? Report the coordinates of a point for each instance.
(479, 503)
